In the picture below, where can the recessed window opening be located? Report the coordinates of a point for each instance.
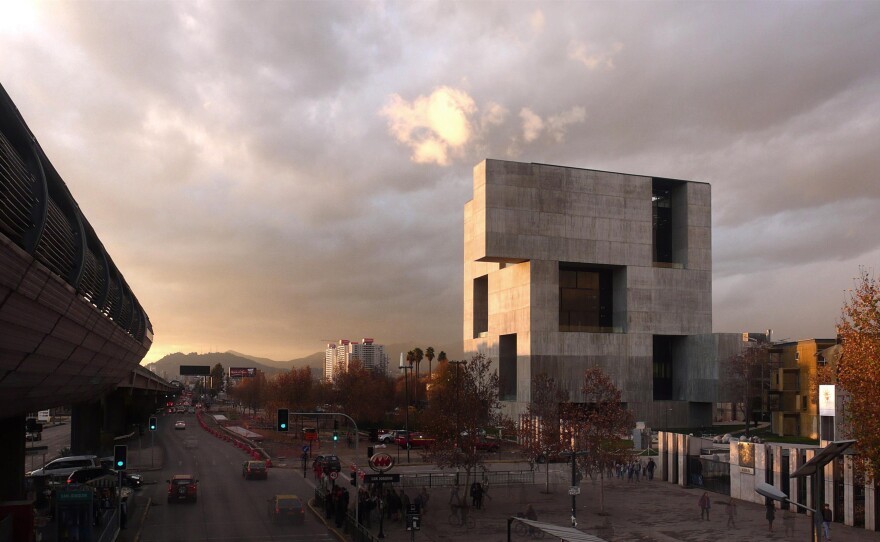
(586, 298)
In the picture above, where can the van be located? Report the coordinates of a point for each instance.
(62, 468)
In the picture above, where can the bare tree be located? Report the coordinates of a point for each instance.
(598, 426)
(746, 371)
(540, 428)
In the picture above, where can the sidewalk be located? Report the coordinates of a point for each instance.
(643, 511)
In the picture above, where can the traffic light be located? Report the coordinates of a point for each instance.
(283, 419)
(153, 423)
(335, 424)
(335, 436)
(120, 456)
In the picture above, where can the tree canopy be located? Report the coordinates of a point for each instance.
(858, 369)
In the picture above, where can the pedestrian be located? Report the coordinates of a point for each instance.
(629, 472)
(478, 496)
(123, 513)
(638, 468)
(404, 501)
(770, 515)
(705, 504)
(424, 498)
(731, 513)
(788, 522)
(827, 518)
(650, 468)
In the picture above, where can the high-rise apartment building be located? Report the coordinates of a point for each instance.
(568, 268)
(340, 354)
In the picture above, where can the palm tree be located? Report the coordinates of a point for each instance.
(418, 356)
(410, 358)
(429, 353)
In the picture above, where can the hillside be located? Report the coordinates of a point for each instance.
(169, 366)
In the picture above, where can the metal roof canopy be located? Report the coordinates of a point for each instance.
(822, 458)
(569, 534)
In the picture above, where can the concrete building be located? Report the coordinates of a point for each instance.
(566, 268)
(338, 355)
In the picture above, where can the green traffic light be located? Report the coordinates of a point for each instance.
(119, 463)
(283, 426)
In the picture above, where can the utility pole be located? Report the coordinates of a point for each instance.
(406, 368)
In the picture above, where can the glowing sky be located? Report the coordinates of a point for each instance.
(269, 175)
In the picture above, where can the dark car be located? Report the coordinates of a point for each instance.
(329, 463)
(104, 476)
(287, 508)
(182, 487)
(254, 469)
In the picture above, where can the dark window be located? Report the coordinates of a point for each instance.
(586, 297)
(661, 203)
(481, 305)
(662, 368)
(507, 367)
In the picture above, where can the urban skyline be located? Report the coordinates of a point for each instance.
(264, 180)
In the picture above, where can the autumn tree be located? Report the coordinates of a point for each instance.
(598, 426)
(463, 403)
(252, 392)
(541, 432)
(746, 371)
(858, 369)
(365, 395)
(293, 390)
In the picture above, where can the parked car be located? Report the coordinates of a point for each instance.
(329, 463)
(62, 467)
(254, 469)
(387, 436)
(414, 440)
(487, 445)
(33, 436)
(180, 424)
(287, 508)
(182, 487)
(88, 475)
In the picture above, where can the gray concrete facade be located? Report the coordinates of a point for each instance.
(527, 222)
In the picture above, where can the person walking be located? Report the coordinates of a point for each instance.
(770, 515)
(788, 522)
(705, 504)
(650, 468)
(731, 513)
(827, 518)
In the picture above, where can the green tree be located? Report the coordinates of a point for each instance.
(429, 353)
(217, 374)
(858, 370)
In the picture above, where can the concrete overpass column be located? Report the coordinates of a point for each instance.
(115, 411)
(12, 458)
(85, 428)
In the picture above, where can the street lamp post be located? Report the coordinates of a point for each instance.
(574, 490)
(406, 368)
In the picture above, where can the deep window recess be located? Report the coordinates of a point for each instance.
(662, 368)
(481, 305)
(507, 367)
(661, 204)
(586, 298)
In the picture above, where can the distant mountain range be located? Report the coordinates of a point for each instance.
(169, 366)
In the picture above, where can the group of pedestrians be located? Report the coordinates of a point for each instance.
(336, 505)
(391, 503)
(635, 471)
(788, 517)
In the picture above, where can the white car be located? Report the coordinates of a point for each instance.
(180, 424)
(64, 466)
(387, 437)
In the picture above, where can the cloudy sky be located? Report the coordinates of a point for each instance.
(268, 175)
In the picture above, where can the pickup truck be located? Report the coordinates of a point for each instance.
(414, 440)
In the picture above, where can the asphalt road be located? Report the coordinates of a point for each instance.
(54, 438)
(229, 508)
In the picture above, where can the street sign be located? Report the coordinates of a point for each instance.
(574, 490)
(381, 478)
(74, 496)
(413, 522)
(333, 475)
(36, 450)
(306, 449)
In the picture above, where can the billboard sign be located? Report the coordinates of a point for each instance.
(826, 400)
(195, 370)
(242, 372)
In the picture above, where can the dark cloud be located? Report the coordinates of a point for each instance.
(236, 157)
